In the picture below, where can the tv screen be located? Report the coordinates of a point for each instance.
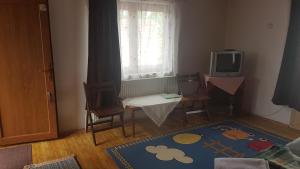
(228, 62)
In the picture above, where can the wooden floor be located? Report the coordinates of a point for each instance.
(92, 157)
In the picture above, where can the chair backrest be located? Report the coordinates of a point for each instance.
(100, 95)
(190, 83)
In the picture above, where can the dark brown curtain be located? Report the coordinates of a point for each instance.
(287, 91)
(104, 53)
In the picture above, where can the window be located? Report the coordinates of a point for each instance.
(147, 38)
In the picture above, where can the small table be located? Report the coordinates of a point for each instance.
(157, 107)
(228, 84)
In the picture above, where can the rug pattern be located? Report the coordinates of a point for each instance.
(194, 148)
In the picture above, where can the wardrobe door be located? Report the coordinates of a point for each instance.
(27, 94)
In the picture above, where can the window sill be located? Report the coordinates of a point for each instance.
(128, 80)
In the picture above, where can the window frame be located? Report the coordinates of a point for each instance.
(131, 7)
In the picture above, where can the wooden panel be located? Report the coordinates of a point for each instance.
(27, 100)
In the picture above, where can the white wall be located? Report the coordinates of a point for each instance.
(203, 23)
(202, 29)
(260, 27)
(69, 29)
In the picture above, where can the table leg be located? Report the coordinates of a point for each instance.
(133, 122)
(231, 106)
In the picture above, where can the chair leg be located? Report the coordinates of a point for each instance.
(205, 106)
(112, 121)
(92, 127)
(123, 124)
(185, 116)
(184, 109)
(133, 122)
(86, 122)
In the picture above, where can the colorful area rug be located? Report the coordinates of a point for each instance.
(194, 148)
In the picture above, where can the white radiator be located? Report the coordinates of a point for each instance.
(148, 86)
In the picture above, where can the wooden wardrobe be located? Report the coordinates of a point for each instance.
(27, 94)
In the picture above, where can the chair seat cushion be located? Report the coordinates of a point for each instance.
(109, 111)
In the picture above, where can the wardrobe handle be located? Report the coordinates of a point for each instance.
(43, 7)
(1, 129)
(50, 97)
(49, 72)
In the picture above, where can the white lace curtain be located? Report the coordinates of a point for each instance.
(148, 38)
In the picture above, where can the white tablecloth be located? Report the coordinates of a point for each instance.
(228, 84)
(156, 107)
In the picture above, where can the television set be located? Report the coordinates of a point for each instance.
(226, 63)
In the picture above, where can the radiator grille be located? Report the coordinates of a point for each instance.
(143, 87)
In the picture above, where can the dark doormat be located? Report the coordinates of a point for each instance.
(15, 157)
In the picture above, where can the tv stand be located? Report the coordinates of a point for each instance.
(228, 84)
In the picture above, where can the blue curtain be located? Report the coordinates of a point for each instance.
(104, 63)
(287, 91)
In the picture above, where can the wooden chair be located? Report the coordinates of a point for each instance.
(95, 105)
(195, 98)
